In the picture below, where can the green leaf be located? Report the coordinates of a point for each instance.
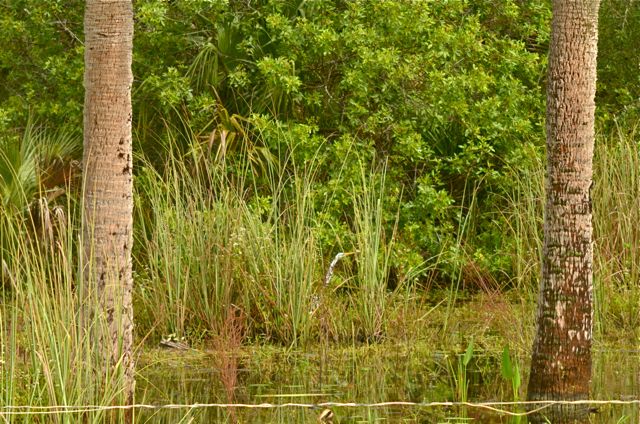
(507, 365)
(516, 377)
(468, 354)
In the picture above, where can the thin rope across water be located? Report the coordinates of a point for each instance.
(497, 407)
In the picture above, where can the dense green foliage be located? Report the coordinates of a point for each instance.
(448, 96)
(291, 104)
(618, 95)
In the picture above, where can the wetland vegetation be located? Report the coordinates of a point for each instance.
(269, 136)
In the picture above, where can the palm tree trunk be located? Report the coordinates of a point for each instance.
(107, 196)
(561, 357)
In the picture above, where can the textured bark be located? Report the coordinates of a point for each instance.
(108, 201)
(561, 358)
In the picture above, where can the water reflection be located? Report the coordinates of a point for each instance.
(366, 375)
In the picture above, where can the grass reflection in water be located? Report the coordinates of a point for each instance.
(361, 375)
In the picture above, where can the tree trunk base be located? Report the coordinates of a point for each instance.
(561, 414)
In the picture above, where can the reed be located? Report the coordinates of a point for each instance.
(208, 240)
(374, 245)
(52, 354)
(616, 209)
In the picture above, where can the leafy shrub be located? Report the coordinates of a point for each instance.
(449, 94)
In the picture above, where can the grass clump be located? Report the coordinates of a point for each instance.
(50, 353)
(616, 207)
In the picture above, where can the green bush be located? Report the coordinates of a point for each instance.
(448, 94)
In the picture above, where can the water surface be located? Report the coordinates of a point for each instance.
(359, 375)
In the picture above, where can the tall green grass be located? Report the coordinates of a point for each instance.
(616, 207)
(616, 213)
(185, 263)
(374, 247)
(523, 222)
(51, 355)
(209, 240)
(283, 258)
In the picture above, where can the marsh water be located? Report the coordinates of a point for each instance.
(359, 375)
